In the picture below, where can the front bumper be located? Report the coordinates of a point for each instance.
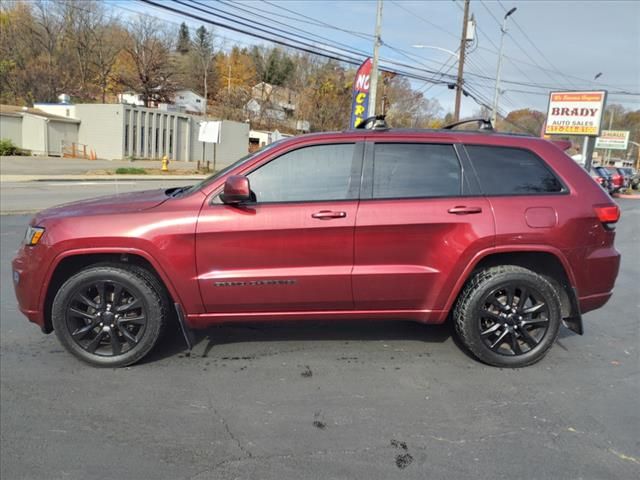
(29, 270)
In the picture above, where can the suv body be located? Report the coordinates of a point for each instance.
(369, 224)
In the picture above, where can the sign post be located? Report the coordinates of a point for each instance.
(209, 132)
(577, 113)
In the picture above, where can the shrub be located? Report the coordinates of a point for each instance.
(7, 147)
(131, 171)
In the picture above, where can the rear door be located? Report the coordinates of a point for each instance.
(419, 220)
(292, 249)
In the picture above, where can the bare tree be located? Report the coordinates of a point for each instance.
(149, 47)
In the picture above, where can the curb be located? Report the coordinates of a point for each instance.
(628, 196)
(96, 178)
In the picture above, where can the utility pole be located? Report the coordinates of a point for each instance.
(494, 113)
(463, 45)
(607, 155)
(374, 67)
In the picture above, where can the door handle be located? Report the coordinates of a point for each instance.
(462, 210)
(328, 214)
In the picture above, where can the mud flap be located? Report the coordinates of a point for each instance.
(186, 331)
(574, 322)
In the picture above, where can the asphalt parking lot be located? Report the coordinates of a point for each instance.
(326, 400)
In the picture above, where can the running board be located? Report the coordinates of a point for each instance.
(186, 331)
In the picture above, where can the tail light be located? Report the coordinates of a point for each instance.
(608, 214)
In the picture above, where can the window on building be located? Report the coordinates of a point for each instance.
(409, 170)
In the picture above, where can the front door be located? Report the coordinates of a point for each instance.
(291, 249)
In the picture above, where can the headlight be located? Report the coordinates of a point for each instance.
(33, 236)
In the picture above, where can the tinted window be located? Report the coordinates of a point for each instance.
(320, 172)
(511, 171)
(404, 170)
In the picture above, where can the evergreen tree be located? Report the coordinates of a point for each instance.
(184, 42)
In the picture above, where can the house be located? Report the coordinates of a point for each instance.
(186, 101)
(272, 102)
(190, 100)
(131, 98)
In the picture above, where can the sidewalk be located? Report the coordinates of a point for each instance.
(29, 169)
(95, 178)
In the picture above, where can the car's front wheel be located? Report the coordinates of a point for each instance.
(108, 316)
(508, 316)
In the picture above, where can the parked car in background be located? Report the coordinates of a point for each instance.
(617, 178)
(504, 235)
(608, 179)
(631, 176)
(601, 179)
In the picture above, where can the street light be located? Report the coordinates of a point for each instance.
(494, 114)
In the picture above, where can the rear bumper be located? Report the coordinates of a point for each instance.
(593, 302)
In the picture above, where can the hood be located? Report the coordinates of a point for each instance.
(122, 203)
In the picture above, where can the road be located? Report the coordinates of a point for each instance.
(325, 400)
(28, 197)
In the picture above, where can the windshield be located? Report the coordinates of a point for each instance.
(212, 178)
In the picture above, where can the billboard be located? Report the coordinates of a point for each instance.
(613, 139)
(360, 102)
(575, 113)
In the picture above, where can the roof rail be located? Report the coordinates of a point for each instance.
(377, 122)
(483, 124)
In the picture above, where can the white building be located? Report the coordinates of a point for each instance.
(131, 98)
(190, 100)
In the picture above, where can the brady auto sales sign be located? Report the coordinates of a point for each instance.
(575, 113)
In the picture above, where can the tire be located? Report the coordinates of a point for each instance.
(108, 315)
(508, 316)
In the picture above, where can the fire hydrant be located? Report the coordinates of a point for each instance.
(165, 164)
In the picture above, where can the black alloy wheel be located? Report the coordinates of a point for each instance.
(110, 315)
(508, 316)
(106, 318)
(513, 319)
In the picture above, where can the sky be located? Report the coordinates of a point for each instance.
(549, 45)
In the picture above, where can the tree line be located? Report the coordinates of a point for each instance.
(51, 47)
(82, 48)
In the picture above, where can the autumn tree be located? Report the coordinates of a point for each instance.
(237, 75)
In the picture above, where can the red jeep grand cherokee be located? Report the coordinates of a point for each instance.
(504, 234)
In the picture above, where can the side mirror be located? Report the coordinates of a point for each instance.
(236, 190)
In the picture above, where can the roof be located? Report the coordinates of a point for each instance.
(17, 111)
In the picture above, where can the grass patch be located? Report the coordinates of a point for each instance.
(131, 171)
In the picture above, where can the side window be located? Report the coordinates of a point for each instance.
(405, 170)
(512, 171)
(319, 172)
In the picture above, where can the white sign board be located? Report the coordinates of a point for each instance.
(575, 113)
(613, 139)
(209, 132)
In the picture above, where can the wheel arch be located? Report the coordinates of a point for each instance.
(545, 261)
(70, 263)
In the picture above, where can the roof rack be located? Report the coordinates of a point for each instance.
(483, 124)
(377, 122)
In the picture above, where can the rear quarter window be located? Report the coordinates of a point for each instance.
(512, 171)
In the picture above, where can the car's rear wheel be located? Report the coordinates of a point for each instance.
(108, 316)
(508, 316)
